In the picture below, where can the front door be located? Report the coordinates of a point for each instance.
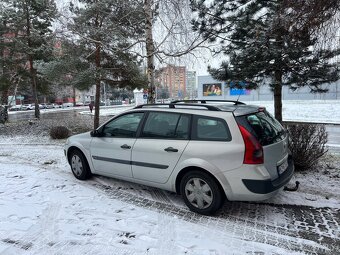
(111, 151)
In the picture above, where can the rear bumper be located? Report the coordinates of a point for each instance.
(268, 186)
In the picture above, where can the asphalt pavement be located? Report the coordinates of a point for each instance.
(333, 137)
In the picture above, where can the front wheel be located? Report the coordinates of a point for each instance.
(79, 165)
(201, 193)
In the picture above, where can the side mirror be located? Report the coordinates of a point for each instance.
(94, 133)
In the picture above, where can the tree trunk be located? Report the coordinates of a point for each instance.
(34, 89)
(97, 96)
(4, 97)
(31, 67)
(150, 51)
(278, 95)
(74, 96)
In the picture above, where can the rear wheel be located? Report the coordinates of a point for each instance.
(79, 165)
(201, 192)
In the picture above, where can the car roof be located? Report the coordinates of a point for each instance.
(236, 107)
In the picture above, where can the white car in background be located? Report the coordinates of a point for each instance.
(65, 105)
(56, 106)
(27, 107)
(15, 107)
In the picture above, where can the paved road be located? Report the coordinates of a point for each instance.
(333, 137)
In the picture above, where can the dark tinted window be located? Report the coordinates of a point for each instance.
(123, 126)
(166, 125)
(182, 130)
(265, 127)
(212, 129)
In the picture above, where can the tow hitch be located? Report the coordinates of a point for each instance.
(293, 188)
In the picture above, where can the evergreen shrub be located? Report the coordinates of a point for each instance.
(59, 132)
(307, 143)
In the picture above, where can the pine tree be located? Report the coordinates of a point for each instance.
(275, 42)
(30, 26)
(106, 31)
(8, 58)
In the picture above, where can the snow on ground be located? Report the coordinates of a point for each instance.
(45, 210)
(318, 188)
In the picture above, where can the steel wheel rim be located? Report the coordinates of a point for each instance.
(198, 193)
(77, 165)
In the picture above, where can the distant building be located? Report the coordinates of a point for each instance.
(191, 84)
(209, 88)
(66, 94)
(173, 78)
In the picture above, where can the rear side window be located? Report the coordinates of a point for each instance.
(264, 127)
(210, 129)
(166, 125)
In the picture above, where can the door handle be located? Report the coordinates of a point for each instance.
(170, 149)
(125, 147)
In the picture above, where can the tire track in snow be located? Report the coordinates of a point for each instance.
(239, 226)
(39, 236)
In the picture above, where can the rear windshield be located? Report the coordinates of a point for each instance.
(263, 126)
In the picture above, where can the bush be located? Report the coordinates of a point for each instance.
(307, 143)
(59, 132)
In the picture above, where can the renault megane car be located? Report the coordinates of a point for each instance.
(207, 151)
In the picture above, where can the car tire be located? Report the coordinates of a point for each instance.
(79, 165)
(201, 192)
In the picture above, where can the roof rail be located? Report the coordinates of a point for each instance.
(171, 105)
(203, 101)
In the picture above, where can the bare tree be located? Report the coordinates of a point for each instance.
(168, 35)
(150, 51)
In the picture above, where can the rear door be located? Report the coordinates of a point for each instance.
(160, 145)
(212, 142)
(273, 138)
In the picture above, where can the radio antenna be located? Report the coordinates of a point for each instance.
(240, 92)
(239, 95)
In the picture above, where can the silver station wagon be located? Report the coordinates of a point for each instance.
(207, 151)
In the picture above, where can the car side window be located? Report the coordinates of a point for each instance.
(210, 129)
(123, 126)
(182, 130)
(166, 125)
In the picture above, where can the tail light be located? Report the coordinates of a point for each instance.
(253, 149)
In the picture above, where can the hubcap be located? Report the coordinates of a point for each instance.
(77, 165)
(198, 193)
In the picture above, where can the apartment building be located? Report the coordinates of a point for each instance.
(174, 79)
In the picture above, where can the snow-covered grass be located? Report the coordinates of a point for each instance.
(315, 111)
